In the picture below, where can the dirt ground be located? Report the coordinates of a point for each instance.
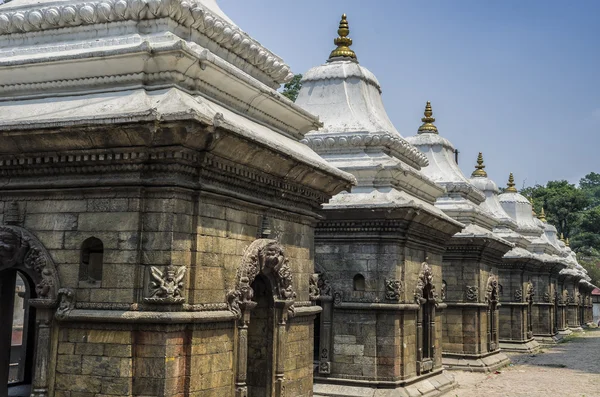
(569, 369)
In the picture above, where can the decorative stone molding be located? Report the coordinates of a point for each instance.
(266, 257)
(393, 290)
(519, 295)
(165, 286)
(443, 290)
(395, 144)
(192, 15)
(472, 293)
(21, 250)
(425, 278)
(491, 291)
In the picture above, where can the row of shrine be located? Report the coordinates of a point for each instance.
(173, 226)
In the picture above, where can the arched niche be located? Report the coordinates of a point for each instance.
(265, 266)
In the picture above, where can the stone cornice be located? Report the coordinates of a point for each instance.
(394, 145)
(192, 15)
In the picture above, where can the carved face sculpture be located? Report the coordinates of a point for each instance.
(273, 256)
(8, 247)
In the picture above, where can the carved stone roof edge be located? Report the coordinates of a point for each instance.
(400, 147)
(191, 15)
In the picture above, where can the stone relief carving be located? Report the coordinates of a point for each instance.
(267, 257)
(530, 292)
(566, 299)
(166, 286)
(323, 284)
(393, 289)
(21, 250)
(472, 293)
(519, 295)
(491, 291)
(443, 290)
(66, 303)
(11, 213)
(547, 297)
(314, 292)
(425, 279)
(337, 298)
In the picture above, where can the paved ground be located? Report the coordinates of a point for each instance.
(569, 369)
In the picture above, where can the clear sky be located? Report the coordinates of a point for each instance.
(517, 80)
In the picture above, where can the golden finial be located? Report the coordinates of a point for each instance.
(511, 184)
(567, 242)
(542, 216)
(479, 167)
(343, 42)
(428, 121)
(562, 238)
(532, 206)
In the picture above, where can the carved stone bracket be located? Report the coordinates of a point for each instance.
(337, 298)
(66, 298)
(425, 279)
(472, 293)
(324, 287)
(530, 292)
(491, 291)
(314, 292)
(266, 257)
(165, 286)
(393, 290)
(547, 297)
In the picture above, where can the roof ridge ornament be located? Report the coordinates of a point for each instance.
(428, 120)
(343, 42)
(511, 184)
(562, 238)
(542, 216)
(479, 168)
(567, 242)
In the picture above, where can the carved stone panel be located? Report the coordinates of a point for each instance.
(165, 285)
(472, 293)
(519, 295)
(393, 289)
(491, 291)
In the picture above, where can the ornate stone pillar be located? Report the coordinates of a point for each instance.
(281, 312)
(325, 339)
(39, 386)
(7, 295)
(241, 389)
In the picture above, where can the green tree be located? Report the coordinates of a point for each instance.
(590, 185)
(292, 88)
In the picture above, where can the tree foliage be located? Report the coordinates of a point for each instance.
(575, 211)
(292, 88)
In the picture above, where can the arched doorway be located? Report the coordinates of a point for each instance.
(426, 298)
(262, 300)
(28, 292)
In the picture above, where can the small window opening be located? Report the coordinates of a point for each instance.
(92, 252)
(359, 282)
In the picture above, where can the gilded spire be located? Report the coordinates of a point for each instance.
(343, 42)
(562, 238)
(567, 242)
(542, 216)
(479, 167)
(428, 121)
(511, 184)
(532, 206)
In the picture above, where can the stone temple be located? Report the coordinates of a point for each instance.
(171, 225)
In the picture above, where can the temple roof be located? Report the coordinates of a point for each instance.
(462, 200)
(357, 135)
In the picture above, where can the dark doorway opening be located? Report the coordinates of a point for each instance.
(260, 372)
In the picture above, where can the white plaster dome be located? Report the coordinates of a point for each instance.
(519, 209)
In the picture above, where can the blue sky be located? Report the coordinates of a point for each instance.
(516, 80)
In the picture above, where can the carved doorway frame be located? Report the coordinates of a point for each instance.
(491, 296)
(265, 257)
(21, 251)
